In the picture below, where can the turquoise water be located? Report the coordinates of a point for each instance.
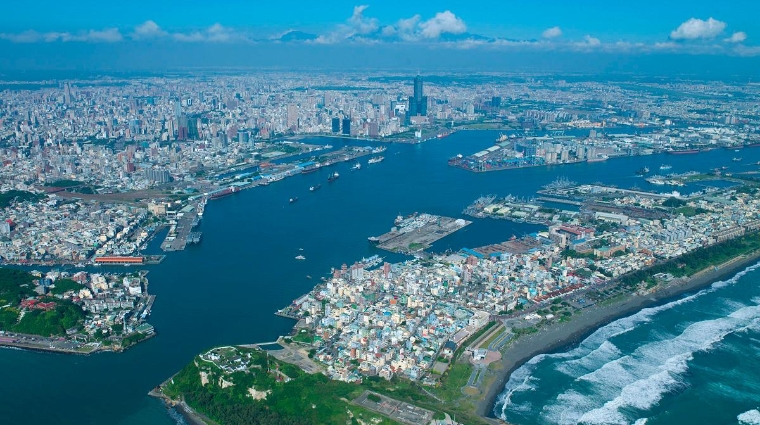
(690, 361)
(226, 289)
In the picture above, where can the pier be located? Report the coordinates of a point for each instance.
(559, 200)
(418, 232)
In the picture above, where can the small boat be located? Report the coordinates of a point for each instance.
(317, 187)
(300, 257)
(357, 166)
(308, 276)
(665, 167)
(737, 159)
(293, 199)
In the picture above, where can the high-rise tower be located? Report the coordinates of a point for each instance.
(417, 103)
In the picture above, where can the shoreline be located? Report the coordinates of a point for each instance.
(561, 335)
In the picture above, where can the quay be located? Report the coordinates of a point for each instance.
(559, 200)
(418, 232)
(181, 229)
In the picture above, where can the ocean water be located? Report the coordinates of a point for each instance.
(226, 289)
(692, 360)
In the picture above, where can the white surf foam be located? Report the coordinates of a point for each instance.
(641, 379)
(521, 378)
(591, 361)
(750, 417)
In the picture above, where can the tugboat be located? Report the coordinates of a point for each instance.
(293, 199)
(317, 187)
(332, 177)
(642, 171)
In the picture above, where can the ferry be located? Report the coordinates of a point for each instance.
(317, 187)
(375, 159)
(357, 166)
(332, 177)
(300, 257)
(665, 167)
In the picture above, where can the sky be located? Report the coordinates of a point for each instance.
(88, 34)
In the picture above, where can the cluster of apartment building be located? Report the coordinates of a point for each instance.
(398, 319)
(69, 231)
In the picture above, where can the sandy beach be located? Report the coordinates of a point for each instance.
(559, 335)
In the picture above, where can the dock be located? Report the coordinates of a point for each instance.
(181, 230)
(417, 232)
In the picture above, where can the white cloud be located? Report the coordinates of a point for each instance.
(359, 23)
(552, 32)
(442, 22)
(736, 37)
(591, 41)
(148, 29)
(108, 35)
(356, 25)
(695, 29)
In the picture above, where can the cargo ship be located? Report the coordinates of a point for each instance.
(310, 169)
(682, 151)
(598, 159)
(641, 171)
(375, 159)
(223, 193)
(332, 177)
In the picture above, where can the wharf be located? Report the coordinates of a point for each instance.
(182, 232)
(559, 200)
(418, 232)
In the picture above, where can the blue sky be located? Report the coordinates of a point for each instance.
(641, 21)
(677, 27)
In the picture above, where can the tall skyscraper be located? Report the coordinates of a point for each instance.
(346, 126)
(336, 125)
(292, 116)
(417, 103)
